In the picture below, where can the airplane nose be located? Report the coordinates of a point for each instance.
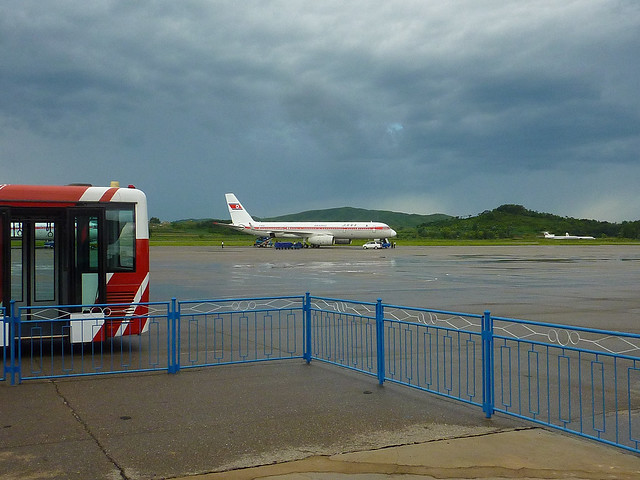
(393, 232)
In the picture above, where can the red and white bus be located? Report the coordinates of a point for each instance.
(76, 245)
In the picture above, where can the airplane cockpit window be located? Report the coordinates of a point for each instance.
(121, 239)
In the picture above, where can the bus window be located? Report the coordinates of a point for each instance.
(121, 239)
(16, 261)
(44, 273)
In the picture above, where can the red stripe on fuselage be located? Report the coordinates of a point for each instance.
(300, 228)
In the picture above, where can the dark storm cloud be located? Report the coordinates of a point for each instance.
(415, 106)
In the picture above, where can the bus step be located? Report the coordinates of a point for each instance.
(44, 337)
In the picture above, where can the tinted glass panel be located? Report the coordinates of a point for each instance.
(16, 262)
(86, 250)
(121, 239)
(44, 274)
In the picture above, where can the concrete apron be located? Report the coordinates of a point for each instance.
(531, 453)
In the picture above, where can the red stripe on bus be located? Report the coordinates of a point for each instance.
(42, 194)
(108, 195)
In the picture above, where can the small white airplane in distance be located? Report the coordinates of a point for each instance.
(312, 233)
(566, 236)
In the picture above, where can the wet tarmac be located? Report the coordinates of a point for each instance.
(288, 420)
(581, 285)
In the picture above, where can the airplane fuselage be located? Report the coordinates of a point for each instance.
(43, 231)
(313, 233)
(349, 230)
(566, 236)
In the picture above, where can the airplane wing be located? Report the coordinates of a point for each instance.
(230, 225)
(289, 233)
(265, 231)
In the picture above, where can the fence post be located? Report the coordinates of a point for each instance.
(306, 309)
(488, 380)
(15, 363)
(380, 340)
(173, 340)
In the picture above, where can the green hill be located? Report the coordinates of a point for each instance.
(515, 221)
(505, 222)
(396, 220)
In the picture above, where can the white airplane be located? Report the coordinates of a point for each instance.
(566, 236)
(43, 231)
(47, 230)
(312, 233)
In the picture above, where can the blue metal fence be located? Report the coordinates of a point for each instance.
(436, 351)
(579, 380)
(214, 332)
(56, 341)
(582, 381)
(344, 333)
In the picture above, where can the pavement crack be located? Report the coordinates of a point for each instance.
(87, 429)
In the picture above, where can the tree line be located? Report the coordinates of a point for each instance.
(508, 221)
(515, 221)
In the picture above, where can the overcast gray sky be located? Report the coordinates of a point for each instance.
(415, 106)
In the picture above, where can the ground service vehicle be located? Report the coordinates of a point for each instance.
(375, 244)
(75, 245)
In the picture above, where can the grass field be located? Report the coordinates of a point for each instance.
(166, 238)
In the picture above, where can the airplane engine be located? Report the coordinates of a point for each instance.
(321, 240)
(342, 241)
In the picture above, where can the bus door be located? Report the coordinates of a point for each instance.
(34, 259)
(5, 270)
(5, 256)
(86, 281)
(87, 272)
